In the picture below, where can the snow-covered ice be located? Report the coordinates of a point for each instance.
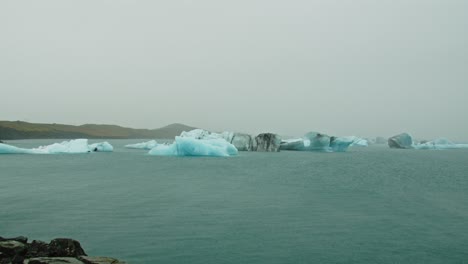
(72, 146)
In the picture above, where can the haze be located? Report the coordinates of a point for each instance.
(360, 67)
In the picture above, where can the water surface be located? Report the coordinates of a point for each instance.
(369, 205)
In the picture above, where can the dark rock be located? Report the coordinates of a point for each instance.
(58, 251)
(401, 141)
(21, 239)
(12, 247)
(268, 142)
(37, 249)
(100, 260)
(55, 260)
(65, 247)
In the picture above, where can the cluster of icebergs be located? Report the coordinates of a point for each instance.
(199, 142)
(405, 141)
(72, 146)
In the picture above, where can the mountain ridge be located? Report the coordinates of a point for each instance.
(10, 130)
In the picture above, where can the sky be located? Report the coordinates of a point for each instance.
(341, 67)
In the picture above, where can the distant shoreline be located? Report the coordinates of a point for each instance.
(13, 130)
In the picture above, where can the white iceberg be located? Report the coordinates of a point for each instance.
(72, 146)
(188, 146)
(440, 143)
(101, 147)
(143, 145)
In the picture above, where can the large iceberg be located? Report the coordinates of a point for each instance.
(268, 142)
(341, 144)
(242, 142)
(72, 146)
(188, 146)
(143, 145)
(311, 141)
(314, 141)
(401, 141)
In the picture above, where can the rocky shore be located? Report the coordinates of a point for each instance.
(18, 250)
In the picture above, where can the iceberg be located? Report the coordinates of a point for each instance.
(401, 141)
(242, 142)
(341, 144)
(101, 147)
(72, 146)
(440, 143)
(268, 142)
(314, 141)
(143, 145)
(188, 146)
(311, 141)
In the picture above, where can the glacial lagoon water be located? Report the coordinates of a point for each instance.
(368, 205)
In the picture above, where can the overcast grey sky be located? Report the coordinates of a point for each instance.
(342, 67)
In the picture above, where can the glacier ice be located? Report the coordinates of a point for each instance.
(440, 143)
(405, 141)
(143, 145)
(311, 141)
(314, 141)
(189, 146)
(268, 142)
(101, 147)
(341, 144)
(72, 146)
(401, 141)
(243, 142)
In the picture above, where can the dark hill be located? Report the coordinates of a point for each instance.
(24, 130)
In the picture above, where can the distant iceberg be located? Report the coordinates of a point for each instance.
(314, 141)
(101, 147)
(72, 146)
(189, 146)
(405, 141)
(242, 142)
(440, 143)
(143, 145)
(401, 141)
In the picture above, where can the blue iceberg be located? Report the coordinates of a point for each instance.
(188, 146)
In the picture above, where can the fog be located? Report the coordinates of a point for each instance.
(360, 67)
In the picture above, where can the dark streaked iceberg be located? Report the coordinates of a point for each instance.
(401, 141)
(268, 142)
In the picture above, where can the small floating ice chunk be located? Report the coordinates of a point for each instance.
(143, 145)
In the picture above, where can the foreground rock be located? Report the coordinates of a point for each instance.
(60, 250)
(401, 141)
